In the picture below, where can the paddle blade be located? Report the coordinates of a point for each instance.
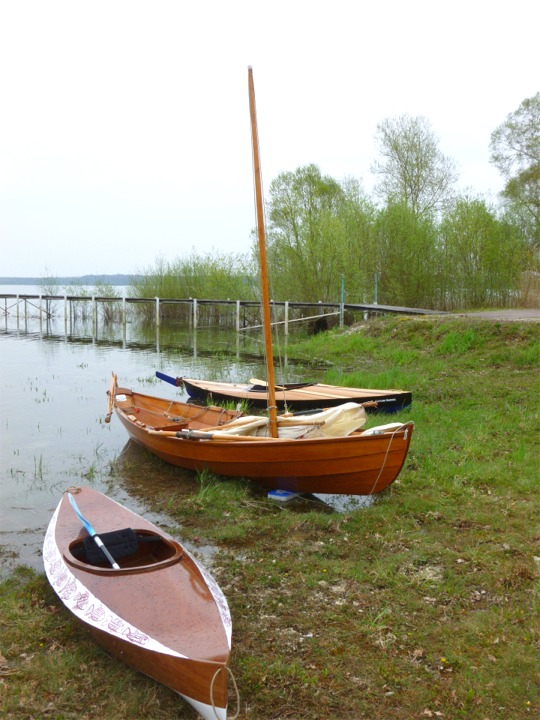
(177, 382)
(90, 530)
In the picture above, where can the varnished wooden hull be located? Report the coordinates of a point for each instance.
(358, 464)
(307, 397)
(163, 615)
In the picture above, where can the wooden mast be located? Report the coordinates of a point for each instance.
(265, 298)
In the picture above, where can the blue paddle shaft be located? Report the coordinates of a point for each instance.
(93, 533)
(101, 546)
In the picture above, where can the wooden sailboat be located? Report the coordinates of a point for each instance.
(322, 453)
(149, 603)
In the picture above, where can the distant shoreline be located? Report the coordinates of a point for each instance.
(79, 280)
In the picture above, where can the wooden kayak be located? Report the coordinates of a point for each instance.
(159, 612)
(300, 396)
(360, 463)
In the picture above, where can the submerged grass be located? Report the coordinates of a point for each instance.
(422, 604)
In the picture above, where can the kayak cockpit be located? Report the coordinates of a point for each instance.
(135, 551)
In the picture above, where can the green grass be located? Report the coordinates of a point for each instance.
(423, 604)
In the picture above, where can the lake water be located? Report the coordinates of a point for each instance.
(53, 399)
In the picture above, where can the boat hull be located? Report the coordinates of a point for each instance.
(136, 612)
(359, 464)
(307, 397)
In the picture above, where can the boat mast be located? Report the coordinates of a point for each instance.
(265, 298)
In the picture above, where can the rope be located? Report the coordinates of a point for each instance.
(180, 418)
(222, 417)
(237, 693)
(172, 404)
(385, 458)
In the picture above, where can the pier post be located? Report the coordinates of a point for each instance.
(157, 312)
(94, 317)
(124, 321)
(195, 313)
(286, 317)
(238, 316)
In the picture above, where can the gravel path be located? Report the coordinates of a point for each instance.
(532, 314)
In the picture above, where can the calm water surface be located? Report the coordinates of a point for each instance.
(52, 404)
(53, 383)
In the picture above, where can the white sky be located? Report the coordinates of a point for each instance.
(124, 125)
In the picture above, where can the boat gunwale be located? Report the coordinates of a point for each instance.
(254, 440)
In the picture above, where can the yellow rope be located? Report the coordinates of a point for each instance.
(386, 457)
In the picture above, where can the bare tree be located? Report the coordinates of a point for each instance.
(412, 169)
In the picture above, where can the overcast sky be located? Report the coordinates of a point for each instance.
(124, 125)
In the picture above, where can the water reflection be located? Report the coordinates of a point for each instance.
(144, 475)
(205, 342)
(323, 502)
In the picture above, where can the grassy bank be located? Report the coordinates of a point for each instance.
(423, 604)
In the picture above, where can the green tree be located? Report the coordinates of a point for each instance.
(515, 152)
(480, 257)
(305, 235)
(406, 260)
(359, 243)
(412, 169)
(319, 231)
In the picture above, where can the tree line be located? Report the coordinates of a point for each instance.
(414, 242)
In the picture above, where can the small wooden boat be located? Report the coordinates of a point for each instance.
(323, 453)
(359, 463)
(158, 610)
(299, 396)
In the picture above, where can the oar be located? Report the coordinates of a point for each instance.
(177, 382)
(203, 435)
(93, 533)
(112, 394)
